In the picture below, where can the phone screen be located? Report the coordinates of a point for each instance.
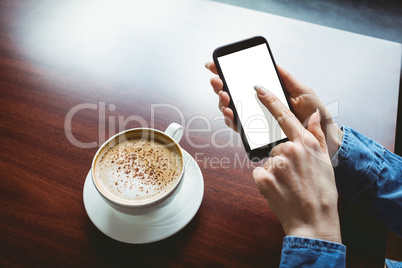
(242, 70)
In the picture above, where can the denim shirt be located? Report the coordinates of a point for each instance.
(365, 173)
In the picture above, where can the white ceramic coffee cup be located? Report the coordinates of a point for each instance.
(172, 137)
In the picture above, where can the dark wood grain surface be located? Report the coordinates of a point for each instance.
(49, 69)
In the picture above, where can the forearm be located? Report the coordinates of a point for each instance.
(371, 176)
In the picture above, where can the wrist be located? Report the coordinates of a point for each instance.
(332, 234)
(324, 225)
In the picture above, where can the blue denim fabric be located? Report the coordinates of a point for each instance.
(371, 176)
(307, 252)
(367, 174)
(393, 264)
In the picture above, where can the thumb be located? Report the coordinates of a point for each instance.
(314, 126)
(292, 85)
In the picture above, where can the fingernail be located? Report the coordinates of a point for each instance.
(220, 92)
(207, 65)
(223, 107)
(260, 90)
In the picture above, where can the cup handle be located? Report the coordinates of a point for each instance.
(175, 131)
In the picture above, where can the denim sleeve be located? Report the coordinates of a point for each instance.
(371, 176)
(308, 252)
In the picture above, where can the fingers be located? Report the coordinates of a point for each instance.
(292, 86)
(224, 98)
(314, 126)
(223, 105)
(229, 118)
(274, 162)
(212, 67)
(277, 149)
(263, 179)
(216, 84)
(286, 119)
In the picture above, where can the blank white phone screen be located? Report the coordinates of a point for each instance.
(242, 70)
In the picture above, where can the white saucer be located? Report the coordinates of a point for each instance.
(152, 227)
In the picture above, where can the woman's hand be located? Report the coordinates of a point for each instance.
(302, 98)
(298, 180)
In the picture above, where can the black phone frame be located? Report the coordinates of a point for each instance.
(262, 152)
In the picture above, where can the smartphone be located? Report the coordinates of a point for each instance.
(241, 66)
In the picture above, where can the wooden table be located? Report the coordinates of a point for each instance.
(105, 67)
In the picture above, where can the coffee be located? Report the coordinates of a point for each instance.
(138, 169)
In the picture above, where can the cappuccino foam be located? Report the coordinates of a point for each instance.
(138, 170)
